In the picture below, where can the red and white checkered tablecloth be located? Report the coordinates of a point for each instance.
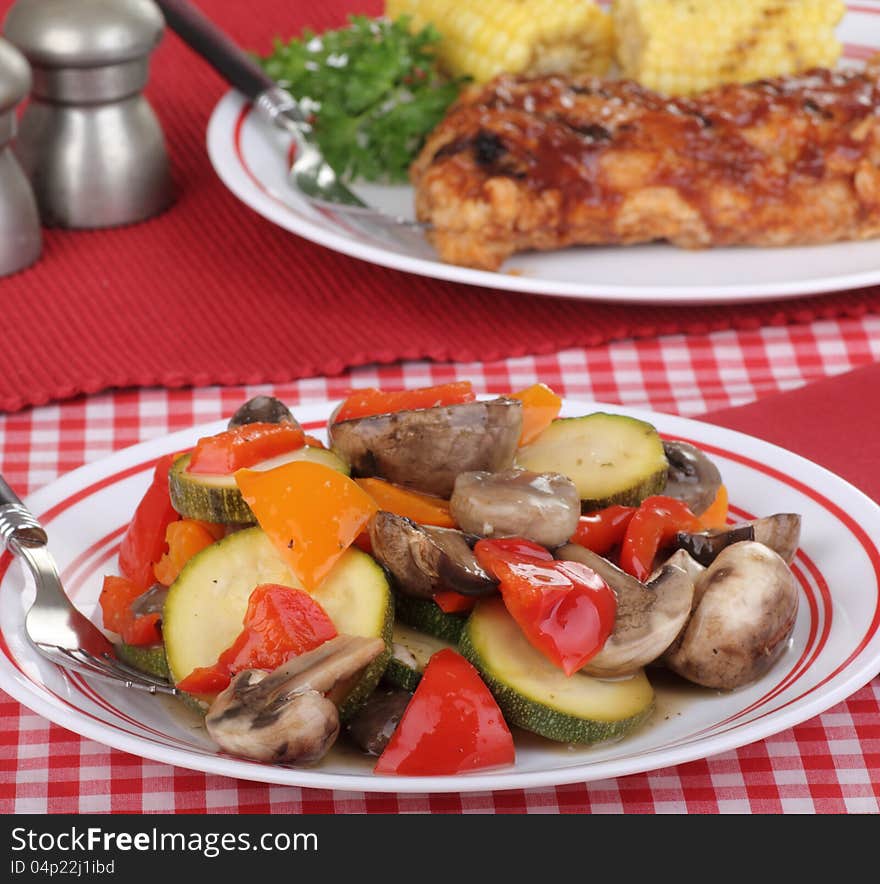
(830, 764)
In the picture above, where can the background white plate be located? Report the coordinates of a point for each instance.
(835, 648)
(249, 157)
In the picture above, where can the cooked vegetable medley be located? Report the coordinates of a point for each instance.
(438, 576)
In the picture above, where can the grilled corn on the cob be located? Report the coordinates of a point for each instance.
(684, 46)
(481, 40)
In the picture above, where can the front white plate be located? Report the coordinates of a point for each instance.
(835, 648)
(250, 158)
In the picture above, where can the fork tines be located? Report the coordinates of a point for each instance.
(109, 668)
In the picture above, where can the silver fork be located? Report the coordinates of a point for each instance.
(312, 175)
(54, 627)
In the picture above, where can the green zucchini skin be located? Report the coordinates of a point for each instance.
(619, 708)
(421, 647)
(217, 498)
(372, 675)
(426, 616)
(611, 458)
(401, 676)
(151, 660)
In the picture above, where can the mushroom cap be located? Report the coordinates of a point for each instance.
(300, 728)
(649, 616)
(542, 507)
(691, 477)
(424, 559)
(427, 448)
(264, 410)
(745, 608)
(286, 715)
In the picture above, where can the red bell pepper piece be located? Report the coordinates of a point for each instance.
(604, 529)
(652, 527)
(514, 549)
(370, 401)
(115, 600)
(117, 595)
(451, 725)
(244, 446)
(454, 602)
(144, 541)
(143, 631)
(280, 623)
(565, 609)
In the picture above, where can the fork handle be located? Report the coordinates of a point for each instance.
(216, 47)
(7, 495)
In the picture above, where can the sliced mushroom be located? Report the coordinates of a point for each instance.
(649, 616)
(781, 532)
(744, 612)
(374, 724)
(423, 559)
(692, 477)
(285, 715)
(262, 410)
(543, 507)
(427, 448)
(150, 602)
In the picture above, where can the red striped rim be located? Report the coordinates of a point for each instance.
(867, 10)
(329, 214)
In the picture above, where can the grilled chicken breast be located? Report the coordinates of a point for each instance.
(545, 163)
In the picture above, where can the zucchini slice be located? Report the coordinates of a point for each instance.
(533, 694)
(411, 651)
(427, 616)
(147, 659)
(611, 458)
(216, 498)
(206, 605)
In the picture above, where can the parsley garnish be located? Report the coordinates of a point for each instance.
(373, 90)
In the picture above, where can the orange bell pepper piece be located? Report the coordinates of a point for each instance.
(426, 509)
(215, 529)
(185, 538)
(716, 515)
(312, 514)
(541, 407)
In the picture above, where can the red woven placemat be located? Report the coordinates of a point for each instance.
(210, 292)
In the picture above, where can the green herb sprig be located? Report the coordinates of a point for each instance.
(373, 89)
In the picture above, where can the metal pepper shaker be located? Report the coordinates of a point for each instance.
(20, 238)
(89, 141)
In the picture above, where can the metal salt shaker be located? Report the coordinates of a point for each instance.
(89, 141)
(20, 238)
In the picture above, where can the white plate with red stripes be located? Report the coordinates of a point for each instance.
(249, 157)
(835, 648)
